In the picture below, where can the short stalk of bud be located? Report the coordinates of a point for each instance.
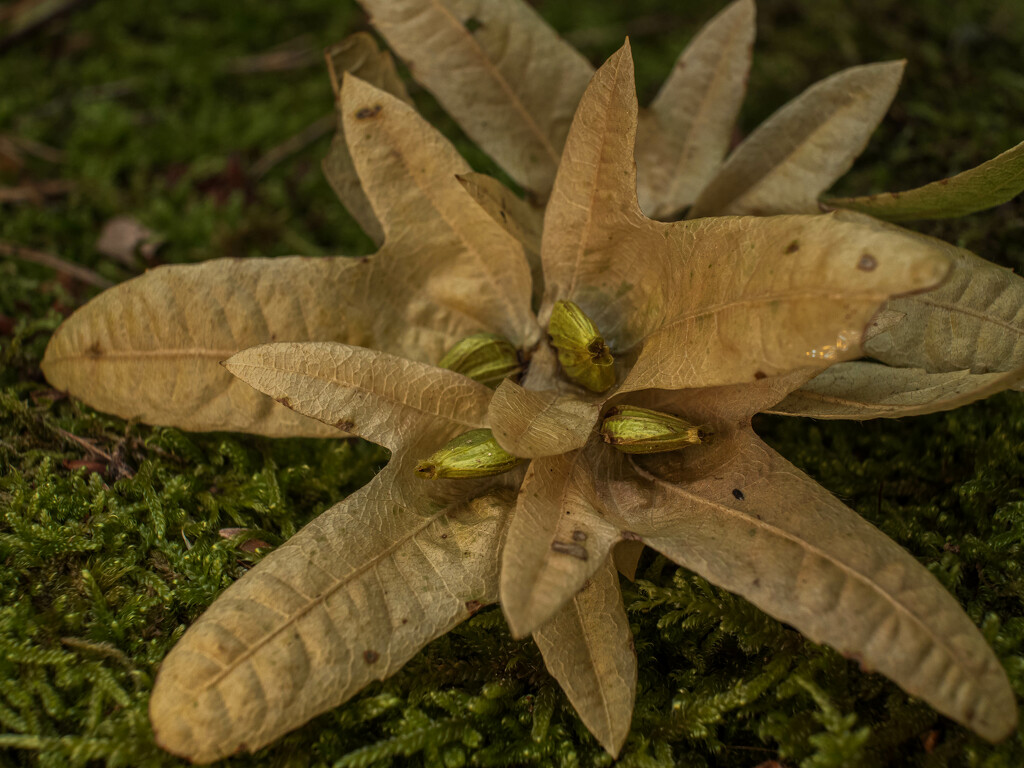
(632, 429)
(473, 454)
(484, 357)
(582, 352)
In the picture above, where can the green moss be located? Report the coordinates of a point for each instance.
(103, 570)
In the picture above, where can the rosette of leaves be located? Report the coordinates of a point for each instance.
(710, 320)
(512, 84)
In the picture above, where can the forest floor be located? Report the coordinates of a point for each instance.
(205, 125)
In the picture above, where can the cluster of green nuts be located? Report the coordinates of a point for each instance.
(586, 360)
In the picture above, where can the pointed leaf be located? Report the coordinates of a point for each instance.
(559, 534)
(523, 221)
(348, 600)
(588, 649)
(626, 556)
(498, 69)
(684, 135)
(377, 396)
(756, 298)
(439, 239)
(759, 527)
(992, 183)
(359, 55)
(151, 348)
(533, 424)
(864, 390)
(974, 320)
(798, 152)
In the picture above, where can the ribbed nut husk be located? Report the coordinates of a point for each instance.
(582, 352)
(632, 429)
(484, 357)
(472, 454)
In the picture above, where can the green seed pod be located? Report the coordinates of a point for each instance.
(473, 454)
(484, 357)
(582, 353)
(631, 429)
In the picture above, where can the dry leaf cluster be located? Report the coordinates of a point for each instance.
(712, 319)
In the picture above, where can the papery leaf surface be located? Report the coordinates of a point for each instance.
(384, 398)
(626, 556)
(715, 301)
(798, 152)
(532, 424)
(759, 527)
(151, 347)
(496, 67)
(992, 183)
(348, 600)
(588, 649)
(521, 219)
(864, 390)
(360, 55)
(436, 237)
(973, 321)
(560, 533)
(684, 134)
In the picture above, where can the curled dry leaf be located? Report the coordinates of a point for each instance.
(593, 628)
(511, 82)
(800, 151)
(359, 55)
(311, 623)
(684, 135)
(938, 350)
(151, 347)
(992, 183)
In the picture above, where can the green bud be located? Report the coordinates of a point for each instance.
(582, 353)
(631, 429)
(484, 357)
(473, 454)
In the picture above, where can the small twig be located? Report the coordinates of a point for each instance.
(295, 144)
(31, 147)
(52, 261)
(84, 443)
(58, 10)
(294, 54)
(36, 192)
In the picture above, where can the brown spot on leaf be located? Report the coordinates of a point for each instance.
(867, 262)
(569, 548)
(345, 425)
(283, 401)
(578, 535)
(760, 375)
(738, 494)
(370, 657)
(793, 247)
(630, 536)
(94, 350)
(473, 605)
(367, 113)
(473, 24)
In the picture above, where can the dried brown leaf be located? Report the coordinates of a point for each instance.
(348, 600)
(359, 55)
(759, 527)
(533, 424)
(560, 533)
(864, 390)
(685, 133)
(498, 69)
(716, 301)
(992, 183)
(384, 398)
(588, 649)
(797, 153)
